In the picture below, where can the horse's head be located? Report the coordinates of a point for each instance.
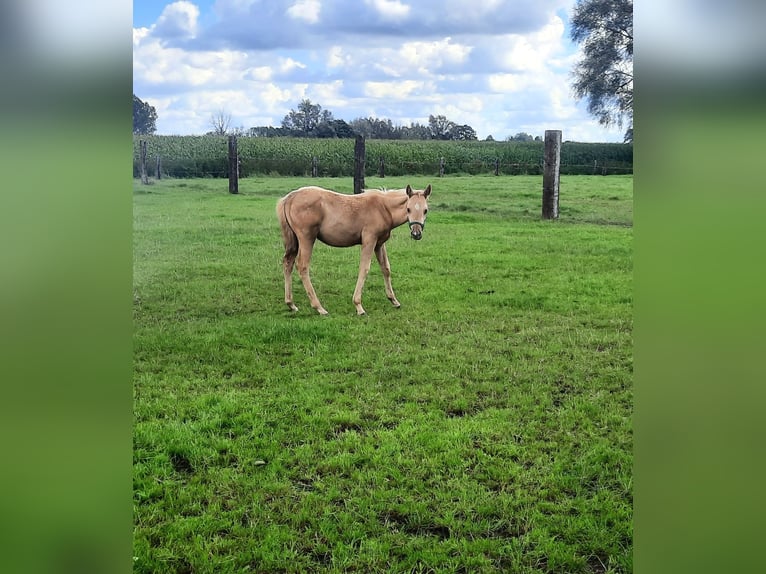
(417, 209)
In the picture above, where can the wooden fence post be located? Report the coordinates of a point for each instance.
(314, 166)
(441, 167)
(142, 150)
(359, 164)
(382, 170)
(159, 167)
(497, 166)
(551, 166)
(233, 165)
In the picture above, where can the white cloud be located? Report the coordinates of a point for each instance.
(178, 20)
(337, 58)
(422, 55)
(307, 10)
(390, 9)
(328, 95)
(139, 34)
(259, 74)
(508, 83)
(288, 64)
(394, 90)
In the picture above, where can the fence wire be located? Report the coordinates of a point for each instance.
(252, 166)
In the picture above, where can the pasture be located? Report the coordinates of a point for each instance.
(485, 426)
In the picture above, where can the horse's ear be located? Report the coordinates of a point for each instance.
(409, 190)
(427, 190)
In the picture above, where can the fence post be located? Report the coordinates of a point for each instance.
(233, 165)
(314, 166)
(359, 164)
(497, 166)
(142, 150)
(159, 167)
(382, 167)
(551, 166)
(441, 167)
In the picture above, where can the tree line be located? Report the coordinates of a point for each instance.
(313, 121)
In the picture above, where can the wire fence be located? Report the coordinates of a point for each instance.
(262, 166)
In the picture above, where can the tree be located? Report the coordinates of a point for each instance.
(325, 130)
(306, 118)
(604, 76)
(342, 129)
(144, 117)
(440, 127)
(464, 132)
(416, 131)
(520, 137)
(220, 122)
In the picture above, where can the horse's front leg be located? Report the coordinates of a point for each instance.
(364, 269)
(385, 267)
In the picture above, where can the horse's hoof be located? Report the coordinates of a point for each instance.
(292, 307)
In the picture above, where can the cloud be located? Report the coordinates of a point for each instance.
(434, 54)
(398, 90)
(390, 9)
(261, 25)
(288, 64)
(337, 58)
(178, 20)
(307, 10)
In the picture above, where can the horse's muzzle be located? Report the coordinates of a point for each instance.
(416, 230)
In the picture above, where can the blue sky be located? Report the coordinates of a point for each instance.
(502, 67)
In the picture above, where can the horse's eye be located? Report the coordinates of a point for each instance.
(426, 210)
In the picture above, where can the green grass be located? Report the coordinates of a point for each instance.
(483, 427)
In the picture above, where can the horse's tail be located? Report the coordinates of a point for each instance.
(288, 235)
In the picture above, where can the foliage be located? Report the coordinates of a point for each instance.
(220, 122)
(440, 127)
(311, 120)
(483, 427)
(144, 117)
(523, 137)
(206, 156)
(604, 76)
(307, 119)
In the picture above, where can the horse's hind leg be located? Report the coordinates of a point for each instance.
(290, 241)
(288, 262)
(385, 267)
(304, 258)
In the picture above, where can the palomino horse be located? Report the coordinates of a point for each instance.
(342, 220)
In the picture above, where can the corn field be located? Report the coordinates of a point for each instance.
(206, 156)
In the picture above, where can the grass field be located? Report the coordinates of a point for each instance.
(483, 427)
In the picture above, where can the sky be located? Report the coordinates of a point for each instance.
(500, 66)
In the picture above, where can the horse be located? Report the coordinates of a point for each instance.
(341, 220)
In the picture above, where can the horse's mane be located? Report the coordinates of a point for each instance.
(382, 190)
